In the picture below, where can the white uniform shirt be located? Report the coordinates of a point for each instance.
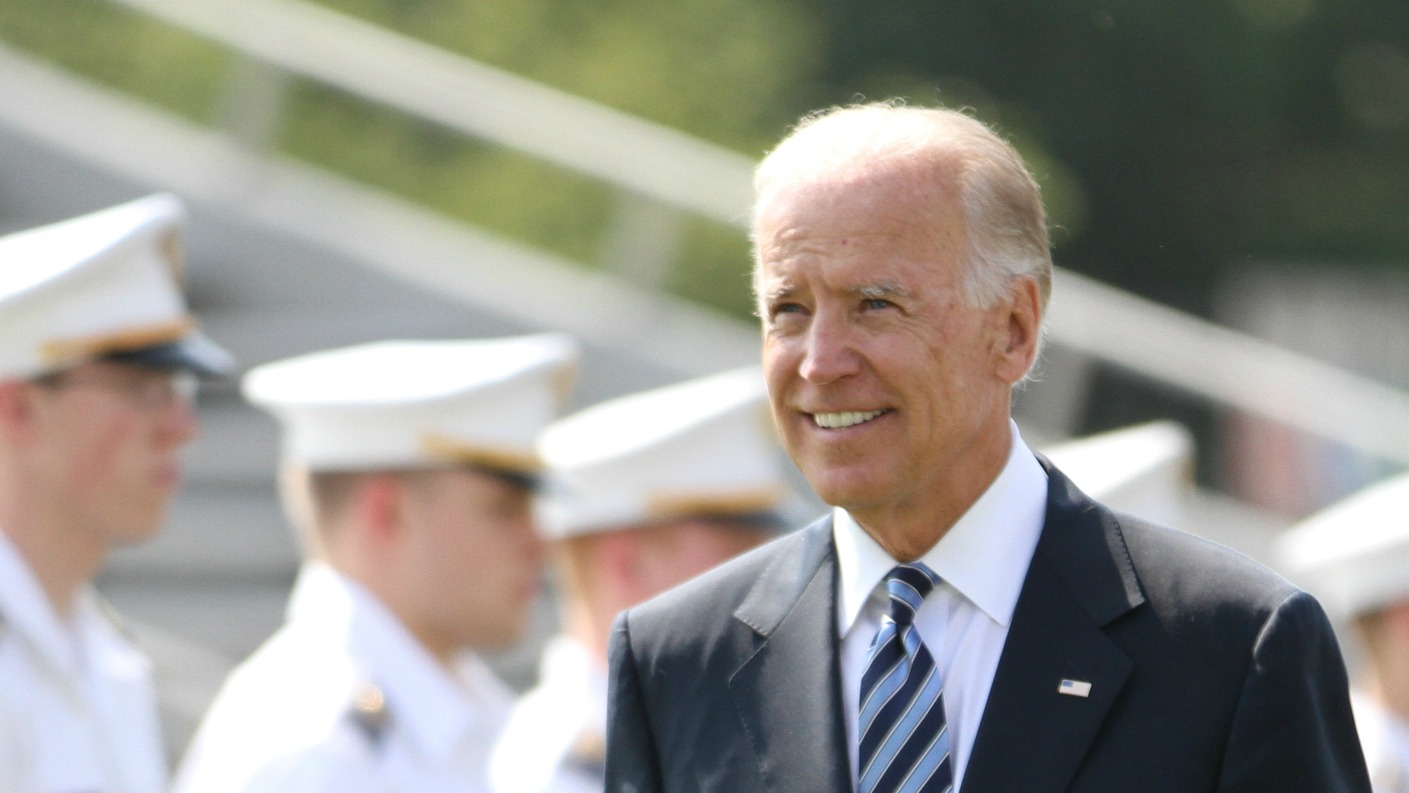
(78, 712)
(555, 741)
(982, 562)
(1385, 740)
(285, 720)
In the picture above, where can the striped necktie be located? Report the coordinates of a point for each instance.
(903, 735)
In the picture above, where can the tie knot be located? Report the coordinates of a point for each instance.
(908, 585)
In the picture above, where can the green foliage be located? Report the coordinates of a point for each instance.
(1171, 139)
(496, 189)
(1189, 135)
(716, 68)
(127, 51)
(716, 270)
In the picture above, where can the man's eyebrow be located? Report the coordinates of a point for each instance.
(881, 290)
(779, 292)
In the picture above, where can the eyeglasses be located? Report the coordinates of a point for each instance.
(143, 389)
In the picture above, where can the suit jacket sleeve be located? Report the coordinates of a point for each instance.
(1293, 729)
(633, 765)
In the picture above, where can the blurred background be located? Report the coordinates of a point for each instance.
(1228, 181)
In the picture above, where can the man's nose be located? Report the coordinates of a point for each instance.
(828, 354)
(179, 422)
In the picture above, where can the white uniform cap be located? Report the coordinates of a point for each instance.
(1354, 555)
(703, 448)
(1146, 470)
(100, 285)
(418, 404)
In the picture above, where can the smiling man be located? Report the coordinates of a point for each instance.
(965, 618)
(98, 360)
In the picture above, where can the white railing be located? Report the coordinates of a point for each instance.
(1154, 341)
(430, 83)
(1229, 367)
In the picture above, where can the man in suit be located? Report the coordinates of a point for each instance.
(965, 619)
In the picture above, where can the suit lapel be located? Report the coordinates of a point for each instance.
(788, 692)
(1032, 737)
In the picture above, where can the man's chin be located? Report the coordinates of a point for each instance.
(132, 538)
(138, 528)
(845, 492)
(496, 642)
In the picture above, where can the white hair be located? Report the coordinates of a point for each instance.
(1006, 223)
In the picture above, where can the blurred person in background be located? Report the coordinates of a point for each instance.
(1355, 556)
(643, 492)
(409, 469)
(98, 360)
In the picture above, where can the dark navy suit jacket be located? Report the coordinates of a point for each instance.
(1208, 673)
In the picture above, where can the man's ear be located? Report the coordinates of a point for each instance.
(16, 408)
(630, 555)
(1397, 618)
(1020, 331)
(381, 506)
(619, 555)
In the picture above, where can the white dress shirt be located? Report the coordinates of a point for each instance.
(982, 562)
(1384, 736)
(77, 707)
(285, 721)
(556, 738)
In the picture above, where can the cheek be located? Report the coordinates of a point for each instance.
(780, 376)
(100, 453)
(721, 546)
(490, 554)
(704, 550)
(775, 358)
(472, 550)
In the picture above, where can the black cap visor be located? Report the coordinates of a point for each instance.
(193, 353)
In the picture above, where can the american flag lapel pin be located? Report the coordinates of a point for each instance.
(1074, 688)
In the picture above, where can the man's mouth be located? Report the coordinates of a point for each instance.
(850, 418)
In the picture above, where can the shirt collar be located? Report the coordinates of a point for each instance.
(439, 710)
(984, 555)
(575, 681)
(26, 609)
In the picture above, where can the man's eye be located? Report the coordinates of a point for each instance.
(873, 303)
(784, 308)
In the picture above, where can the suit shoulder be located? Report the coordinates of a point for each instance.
(1202, 606)
(1176, 565)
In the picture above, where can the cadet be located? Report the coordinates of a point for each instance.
(643, 492)
(97, 359)
(1354, 555)
(408, 467)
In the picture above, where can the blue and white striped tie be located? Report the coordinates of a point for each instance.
(903, 735)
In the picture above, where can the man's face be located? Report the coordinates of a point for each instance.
(473, 556)
(105, 446)
(885, 383)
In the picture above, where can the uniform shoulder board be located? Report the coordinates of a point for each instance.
(369, 713)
